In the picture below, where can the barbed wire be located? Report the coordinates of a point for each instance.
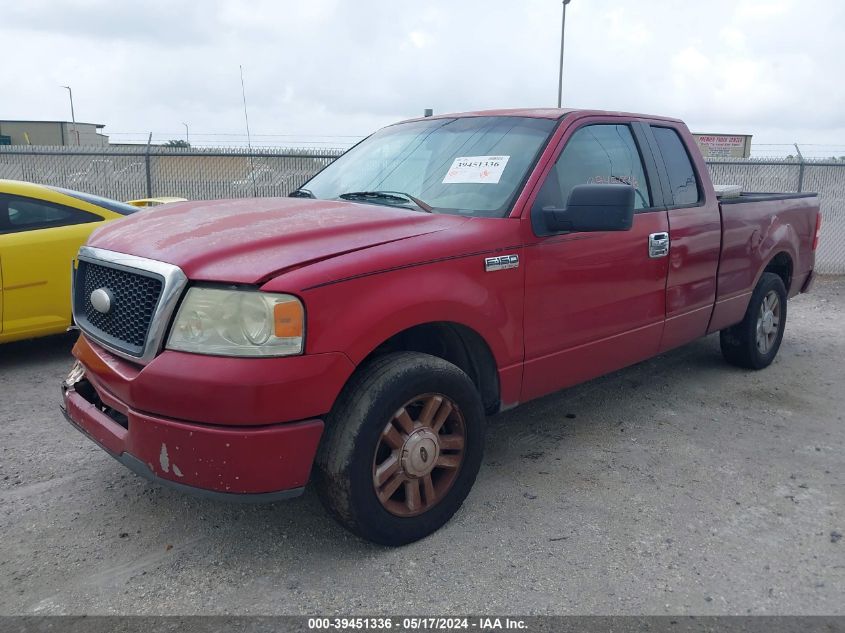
(234, 134)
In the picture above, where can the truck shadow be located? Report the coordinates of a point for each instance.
(586, 414)
(547, 478)
(610, 396)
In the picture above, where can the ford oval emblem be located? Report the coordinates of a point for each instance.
(101, 299)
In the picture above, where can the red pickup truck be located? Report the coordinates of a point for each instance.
(443, 269)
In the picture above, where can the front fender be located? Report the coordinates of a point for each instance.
(356, 315)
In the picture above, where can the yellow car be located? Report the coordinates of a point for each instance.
(41, 230)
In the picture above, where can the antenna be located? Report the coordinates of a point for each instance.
(248, 137)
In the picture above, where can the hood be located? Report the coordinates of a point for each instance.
(251, 240)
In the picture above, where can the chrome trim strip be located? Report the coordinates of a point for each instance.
(175, 282)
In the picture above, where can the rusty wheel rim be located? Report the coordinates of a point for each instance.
(419, 455)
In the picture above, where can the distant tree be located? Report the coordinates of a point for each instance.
(177, 142)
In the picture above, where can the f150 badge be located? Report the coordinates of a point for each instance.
(502, 262)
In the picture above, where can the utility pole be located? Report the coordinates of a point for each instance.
(72, 115)
(562, 34)
(248, 137)
(800, 168)
(187, 137)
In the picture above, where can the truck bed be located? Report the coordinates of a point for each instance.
(752, 225)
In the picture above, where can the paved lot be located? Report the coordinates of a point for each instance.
(680, 485)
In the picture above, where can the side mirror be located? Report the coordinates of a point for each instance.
(594, 208)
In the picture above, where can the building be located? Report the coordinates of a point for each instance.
(51, 133)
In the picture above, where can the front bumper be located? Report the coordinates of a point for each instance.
(256, 463)
(216, 390)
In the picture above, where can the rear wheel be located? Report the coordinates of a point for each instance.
(754, 342)
(402, 449)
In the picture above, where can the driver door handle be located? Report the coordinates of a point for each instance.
(658, 245)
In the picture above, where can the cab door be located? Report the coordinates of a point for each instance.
(594, 302)
(38, 243)
(695, 233)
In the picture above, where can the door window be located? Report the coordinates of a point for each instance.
(682, 180)
(595, 154)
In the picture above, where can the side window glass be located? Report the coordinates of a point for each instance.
(23, 213)
(4, 215)
(596, 154)
(682, 180)
(20, 214)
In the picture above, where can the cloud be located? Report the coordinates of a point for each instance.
(755, 11)
(327, 67)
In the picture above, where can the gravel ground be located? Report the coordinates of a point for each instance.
(680, 485)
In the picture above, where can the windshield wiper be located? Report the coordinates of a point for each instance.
(388, 197)
(301, 193)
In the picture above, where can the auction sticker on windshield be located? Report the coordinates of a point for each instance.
(476, 169)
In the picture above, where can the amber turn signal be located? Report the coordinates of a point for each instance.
(287, 319)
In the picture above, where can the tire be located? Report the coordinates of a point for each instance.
(743, 344)
(367, 448)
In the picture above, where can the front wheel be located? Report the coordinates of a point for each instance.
(754, 342)
(402, 448)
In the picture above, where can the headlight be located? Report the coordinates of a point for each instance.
(238, 323)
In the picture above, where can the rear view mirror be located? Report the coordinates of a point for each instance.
(594, 208)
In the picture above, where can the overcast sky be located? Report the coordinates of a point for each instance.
(772, 68)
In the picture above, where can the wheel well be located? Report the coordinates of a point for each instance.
(781, 265)
(456, 344)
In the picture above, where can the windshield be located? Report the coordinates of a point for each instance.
(112, 205)
(470, 165)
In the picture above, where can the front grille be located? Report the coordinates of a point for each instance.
(134, 300)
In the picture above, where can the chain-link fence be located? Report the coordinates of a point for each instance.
(125, 173)
(827, 178)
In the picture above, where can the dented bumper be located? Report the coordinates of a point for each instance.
(240, 463)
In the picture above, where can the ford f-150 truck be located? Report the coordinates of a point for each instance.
(443, 269)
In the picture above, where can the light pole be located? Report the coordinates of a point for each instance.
(187, 137)
(72, 115)
(562, 33)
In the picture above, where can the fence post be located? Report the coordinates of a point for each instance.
(800, 169)
(147, 165)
